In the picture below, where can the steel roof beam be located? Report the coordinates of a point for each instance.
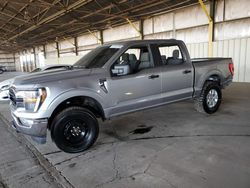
(52, 17)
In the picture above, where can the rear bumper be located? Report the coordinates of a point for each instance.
(32, 127)
(227, 82)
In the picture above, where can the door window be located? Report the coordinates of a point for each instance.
(171, 55)
(132, 61)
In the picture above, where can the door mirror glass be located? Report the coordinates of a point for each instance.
(121, 70)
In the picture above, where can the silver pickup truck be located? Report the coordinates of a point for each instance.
(112, 80)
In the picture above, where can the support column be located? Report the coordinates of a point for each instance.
(93, 34)
(210, 28)
(101, 37)
(14, 58)
(26, 62)
(35, 59)
(140, 30)
(212, 15)
(44, 52)
(76, 45)
(57, 49)
(141, 25)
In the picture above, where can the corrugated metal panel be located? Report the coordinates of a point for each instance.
(247, 69)
(237, 49)
(198, 50)
(242, 62)
(195, 17)
(232, 30)
(120, 33)
(237, 9)
(66, 44)
(236, 58)
(62, 60)
(87, 39)
(163, 23)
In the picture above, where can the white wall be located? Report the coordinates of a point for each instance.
(237, 49)
(120, 33)
(62, 60)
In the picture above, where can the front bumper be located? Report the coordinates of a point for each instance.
(33, 127)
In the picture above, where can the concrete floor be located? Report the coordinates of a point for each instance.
(18, 166)
(169, 146)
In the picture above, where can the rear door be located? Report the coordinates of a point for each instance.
(140, 88)
(176, 73)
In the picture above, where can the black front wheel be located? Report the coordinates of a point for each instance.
(1, 71)
(74, 130)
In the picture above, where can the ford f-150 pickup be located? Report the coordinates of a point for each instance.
(112, 80)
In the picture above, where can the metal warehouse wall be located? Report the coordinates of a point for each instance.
(8, 60)
(190, 24)
(238, 49)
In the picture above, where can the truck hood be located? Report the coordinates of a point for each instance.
(51, 76)
(6, 83)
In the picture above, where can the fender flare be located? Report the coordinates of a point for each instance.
(71, 94)
(210, 75)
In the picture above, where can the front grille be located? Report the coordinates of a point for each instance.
(12, 96)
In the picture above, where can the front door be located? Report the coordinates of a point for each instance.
(138, 88)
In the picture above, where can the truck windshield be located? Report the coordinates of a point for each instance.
(97, 57)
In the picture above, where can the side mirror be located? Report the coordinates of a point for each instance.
(121, 70)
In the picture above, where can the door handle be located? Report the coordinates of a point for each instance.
(153, 76)
(187, 71)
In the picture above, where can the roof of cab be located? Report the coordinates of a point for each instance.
(151, 41)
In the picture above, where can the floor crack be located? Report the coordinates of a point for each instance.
(51, 153)
(117, 175)
(146, 170)
(190, 136)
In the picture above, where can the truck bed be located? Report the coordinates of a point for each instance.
(210, 66)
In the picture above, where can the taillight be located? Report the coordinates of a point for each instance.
(231, 68)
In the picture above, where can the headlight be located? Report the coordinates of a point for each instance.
(30, 100)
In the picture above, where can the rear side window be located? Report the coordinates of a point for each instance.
(171, 55)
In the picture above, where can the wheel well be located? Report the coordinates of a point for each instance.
(81, 101)
(215, 78)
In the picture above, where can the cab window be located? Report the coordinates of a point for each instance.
(171, 55)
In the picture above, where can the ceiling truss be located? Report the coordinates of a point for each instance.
(28, 23)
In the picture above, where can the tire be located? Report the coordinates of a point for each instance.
(210, 98)
(74, 130)
(1, 71)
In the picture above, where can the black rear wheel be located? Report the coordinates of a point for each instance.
(210, 98)
(74, 130)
